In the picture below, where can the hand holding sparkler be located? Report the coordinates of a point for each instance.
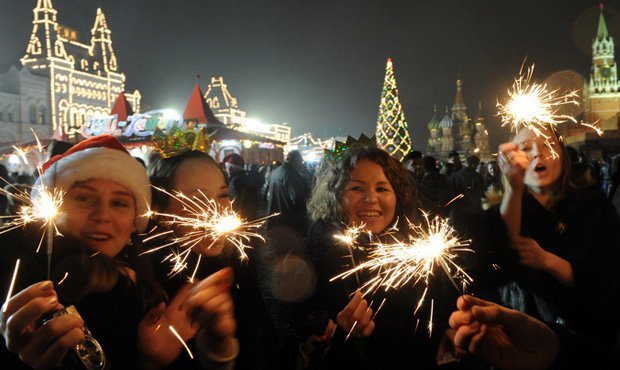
(157, 344)
(513, 163)
(39, 345)
(502, 337)
(210, 304)
(356, 318)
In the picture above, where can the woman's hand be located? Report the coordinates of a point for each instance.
(210, 304)
(513, 163)
(502, 337)
(359, 314)
(41, 346)
(530, 253)
(158, 345)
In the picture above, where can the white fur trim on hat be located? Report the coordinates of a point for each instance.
(101, 163)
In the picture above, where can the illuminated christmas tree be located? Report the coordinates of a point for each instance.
(392, 130)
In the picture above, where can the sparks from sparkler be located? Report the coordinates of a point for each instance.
(44, 207)
(349, 238)
(532, 105)
(399, 263)
(206, 220)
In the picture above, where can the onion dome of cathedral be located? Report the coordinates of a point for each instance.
(433, 124)
(446, 121)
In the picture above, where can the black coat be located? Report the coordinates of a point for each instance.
(255, 331)
(399, 338)
(111, 316)
(287, 194)
(582, 229)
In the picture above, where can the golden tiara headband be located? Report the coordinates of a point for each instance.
(180, 140)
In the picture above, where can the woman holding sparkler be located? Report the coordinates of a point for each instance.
(106, 195)
(556, 245)
(193, 176)
(370, 189)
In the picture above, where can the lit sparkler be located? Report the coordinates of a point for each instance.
(400, 263)
(349, 238)
(532, 105)
(205, 220)
(44, 207)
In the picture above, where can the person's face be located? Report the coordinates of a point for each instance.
(491, 169)
(193, 177)
(369, 197)
(100, 213)
(544, 169)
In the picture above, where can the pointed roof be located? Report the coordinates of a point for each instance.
(218, 95)
(197, 108)
(100, 25)
(433, 124)
(458, 98)
(44, 5)
(446, 121)
(122, 107)
(601, 33)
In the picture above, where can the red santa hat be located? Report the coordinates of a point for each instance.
(100, 157)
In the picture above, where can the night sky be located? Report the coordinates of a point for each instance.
(319, 64)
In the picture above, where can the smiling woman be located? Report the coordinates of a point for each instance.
(106, 195)
(366, 187)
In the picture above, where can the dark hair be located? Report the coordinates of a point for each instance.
(430, 164)
(57, 147)
(161, 173)
(325, 203)
(293, 156)
(472, 161)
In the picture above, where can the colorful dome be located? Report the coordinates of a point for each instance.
(433, 124)
(446, 122)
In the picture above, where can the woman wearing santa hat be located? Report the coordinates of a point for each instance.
(107, 195)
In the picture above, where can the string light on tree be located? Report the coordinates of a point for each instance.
(392, 130)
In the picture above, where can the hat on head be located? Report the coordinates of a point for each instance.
(235, 159)
(100, 157)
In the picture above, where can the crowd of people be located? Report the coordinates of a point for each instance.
(541, 220)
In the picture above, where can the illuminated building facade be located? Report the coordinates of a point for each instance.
(226, 110)
(80, 80)
(455, 131)
(601, 97)
(603, 92)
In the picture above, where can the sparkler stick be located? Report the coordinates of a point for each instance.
(205, 220)
(178, 336)
(10, 292)
(460, 196)
(351, 331)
